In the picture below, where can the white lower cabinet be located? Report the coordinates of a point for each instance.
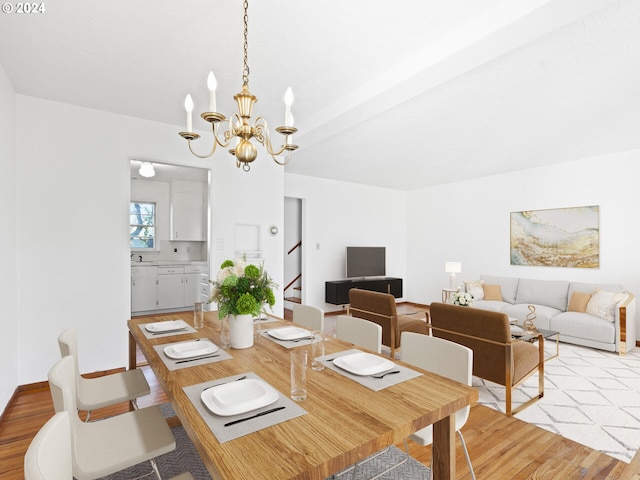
(192, 284)
(144, 289)
(170, 287)
(167, 287)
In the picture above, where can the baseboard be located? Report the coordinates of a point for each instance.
(40, 386)
(9, 406)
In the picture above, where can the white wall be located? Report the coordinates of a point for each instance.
(73, 184)
(253, 198)
(8, 220)
(337, 214)
(469, 222)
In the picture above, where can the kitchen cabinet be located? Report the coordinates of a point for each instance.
(170, 287)
(192, 275)
(205, 288)
(144, 289)
(188, 216)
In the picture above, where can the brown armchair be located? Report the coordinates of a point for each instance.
(496, 356)
(380, 308)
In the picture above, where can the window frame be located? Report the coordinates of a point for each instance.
(155, 247)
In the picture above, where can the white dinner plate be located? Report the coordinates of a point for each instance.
(167, 326)
(239, 397)
(363, 363)
(190, 349)
(289, 333)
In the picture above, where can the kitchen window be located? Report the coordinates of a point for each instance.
(142, 220)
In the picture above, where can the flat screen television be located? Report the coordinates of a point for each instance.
(366, 262)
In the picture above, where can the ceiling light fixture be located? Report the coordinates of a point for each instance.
(146, 169)
(238, 125)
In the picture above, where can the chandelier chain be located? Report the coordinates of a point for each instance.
(245, 71)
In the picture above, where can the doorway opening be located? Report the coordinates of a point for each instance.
(293, 254)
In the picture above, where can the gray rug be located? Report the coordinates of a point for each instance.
(185, 458)
(382, 466)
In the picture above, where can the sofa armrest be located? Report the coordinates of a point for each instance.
(625, 322)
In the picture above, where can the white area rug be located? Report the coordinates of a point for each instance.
(591, 397)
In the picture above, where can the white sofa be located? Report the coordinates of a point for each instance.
(611, 328)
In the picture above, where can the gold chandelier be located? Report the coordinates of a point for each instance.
(238, 125)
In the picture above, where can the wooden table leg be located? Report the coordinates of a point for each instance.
(133, 361)
(444, 459)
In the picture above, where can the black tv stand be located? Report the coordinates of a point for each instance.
(337, 292)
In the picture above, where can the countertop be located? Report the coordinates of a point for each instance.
(167, 263)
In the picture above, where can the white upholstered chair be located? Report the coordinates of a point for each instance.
(446, 359)
(102, 391)
(308, 316)
(49, 454)
(110, 445)
(359, 332)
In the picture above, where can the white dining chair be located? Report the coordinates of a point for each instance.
(49, 454)
(308, 316)
(444, 358)
(110, 445)
(102, 391)
(360, 332)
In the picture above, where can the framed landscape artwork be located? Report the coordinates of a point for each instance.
(558, 237)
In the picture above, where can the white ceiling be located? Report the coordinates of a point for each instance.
(402, 94)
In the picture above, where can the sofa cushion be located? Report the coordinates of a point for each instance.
(543, 313)
(475, 289)
(583, 325)
(492, 292)
(508, 286)
(552, 293)
(602, 304)
(591, 287)
(578, 302)
(491, 305)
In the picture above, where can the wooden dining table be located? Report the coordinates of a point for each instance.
(345, 421)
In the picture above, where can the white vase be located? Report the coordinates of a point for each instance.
(241, 331)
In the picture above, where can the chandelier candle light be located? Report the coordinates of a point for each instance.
(238, 125)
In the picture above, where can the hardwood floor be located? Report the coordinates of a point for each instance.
(501, 448)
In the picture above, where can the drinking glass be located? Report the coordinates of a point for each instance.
(299, 374)
(225, 337)
(198, 315)
(257, 326)
(317, 350)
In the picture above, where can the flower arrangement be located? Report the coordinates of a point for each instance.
(462, 298)
(242, 289)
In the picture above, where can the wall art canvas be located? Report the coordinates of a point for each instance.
(559, 237)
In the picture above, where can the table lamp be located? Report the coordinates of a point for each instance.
(452, 268)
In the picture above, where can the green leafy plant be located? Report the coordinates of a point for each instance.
(241, 289)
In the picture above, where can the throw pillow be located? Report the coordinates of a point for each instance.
(492, 292)
(578, 302)
(602, 304)
(475, 289)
